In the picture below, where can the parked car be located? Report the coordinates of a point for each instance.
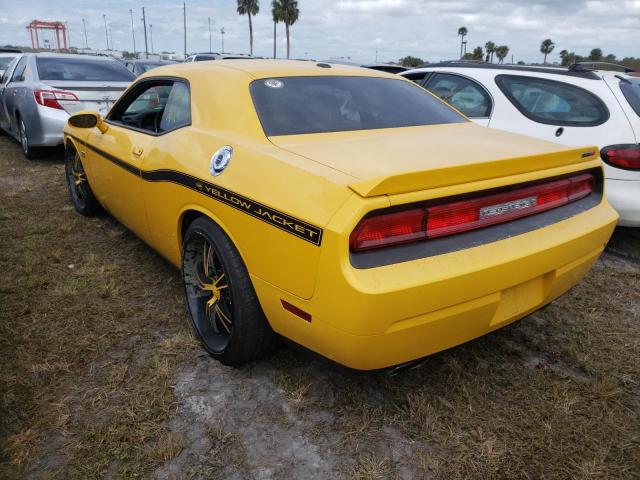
(345, 209)
(7, 55)
(138, 67)
(43, 89)
(201, 57)
(383, 67)
(587, 103)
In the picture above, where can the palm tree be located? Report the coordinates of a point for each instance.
(249, 8)
(490, 48)
(477, 54)
(547, 47)
(286, 11)
(462, 32)
(275, 5)
(501, 52)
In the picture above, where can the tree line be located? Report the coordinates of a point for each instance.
(546, 47)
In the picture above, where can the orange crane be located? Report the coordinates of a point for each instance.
(59, 27)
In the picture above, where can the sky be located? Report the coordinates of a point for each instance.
(355, 30)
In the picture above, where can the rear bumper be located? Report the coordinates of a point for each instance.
(380, 317)
(624, 196)
(47, 131)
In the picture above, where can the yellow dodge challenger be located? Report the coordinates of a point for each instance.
(347, 210)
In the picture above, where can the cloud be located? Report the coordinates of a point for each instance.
(357, 29)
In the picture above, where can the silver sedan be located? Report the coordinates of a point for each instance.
(40, 91)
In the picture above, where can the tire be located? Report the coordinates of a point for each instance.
(80, 193)
(28, 151)
(222, 304)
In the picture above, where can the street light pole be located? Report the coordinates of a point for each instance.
(184, 23)
(84, 26)
(222, 34)
(133, 34)
(144, 24)
(210, 34)
(106, 31)
(151, 32)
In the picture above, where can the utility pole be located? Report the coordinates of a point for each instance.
(376, 56)
(66, 26)
(111, 37)
(210, 34)
(133, 34)
(184, 22)
(146, 46)
(106, 31)
(84, 26)
(151, 32)
(222, 35)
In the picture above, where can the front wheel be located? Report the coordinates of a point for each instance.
(224, 309)
(79, 189)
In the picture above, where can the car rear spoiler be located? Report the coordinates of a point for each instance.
(467, 173)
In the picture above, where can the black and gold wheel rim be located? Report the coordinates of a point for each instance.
(208, 292)
(77, 179)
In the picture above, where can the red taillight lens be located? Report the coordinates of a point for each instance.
(622, 156)
(459, 216)
(50, 98)
(389, 229)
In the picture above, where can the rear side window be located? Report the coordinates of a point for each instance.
(631, 91)
(299, 105)
(5, 61)
(18, 72)
(82, 70)
(464, 94)
(553, 103)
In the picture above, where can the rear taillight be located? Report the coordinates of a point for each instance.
(448, 218)
(622, 156)
(51, 98)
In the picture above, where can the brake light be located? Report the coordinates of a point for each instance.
(622, 156)
(449, 218)
(50, 98)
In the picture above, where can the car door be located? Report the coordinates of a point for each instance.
(4, 81)
(12, 93)
(463, 93)
(116, 156)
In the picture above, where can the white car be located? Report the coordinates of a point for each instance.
(581, 105)
(7, 55)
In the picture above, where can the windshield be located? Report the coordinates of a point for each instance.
(5, 61)
(631, 91)
(82, 69)
(299, 105)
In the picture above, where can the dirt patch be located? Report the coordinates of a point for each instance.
(100, 377)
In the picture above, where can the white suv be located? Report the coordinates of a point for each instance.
(577, 106)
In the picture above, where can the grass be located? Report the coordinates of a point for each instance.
(93, 330)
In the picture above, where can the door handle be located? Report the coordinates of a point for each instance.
(137, 151)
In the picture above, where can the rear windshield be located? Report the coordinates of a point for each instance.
(299, 105)
(82, 69)
(631, 91)
(5, 61)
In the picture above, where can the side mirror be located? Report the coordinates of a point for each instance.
(88, 119)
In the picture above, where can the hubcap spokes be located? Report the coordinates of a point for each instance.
(212, 283)
(79, 177)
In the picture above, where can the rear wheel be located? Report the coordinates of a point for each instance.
(225, 313)
(79, 189)
(28, 151)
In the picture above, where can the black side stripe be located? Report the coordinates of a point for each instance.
(280, 220)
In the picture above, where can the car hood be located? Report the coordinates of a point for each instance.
(401, 160)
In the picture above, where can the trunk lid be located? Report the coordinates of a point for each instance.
(402, 160)
(98, 96)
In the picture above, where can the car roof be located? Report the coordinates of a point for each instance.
(589, 74)
(70, 55)
(266, 68)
